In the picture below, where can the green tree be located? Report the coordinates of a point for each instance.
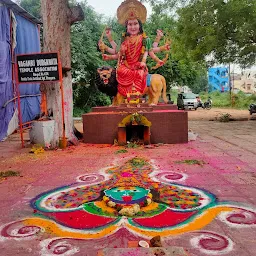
(85, 61)
(32, 6)
(166, 6)
(180, 68)
(224, 29)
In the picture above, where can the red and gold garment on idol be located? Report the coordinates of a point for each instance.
(129, 73)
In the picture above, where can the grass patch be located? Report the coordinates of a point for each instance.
(132, 145)
(224, 118)
(137, 162)
(239, 100)
(191, 161)
(9, 174)
(121, 151)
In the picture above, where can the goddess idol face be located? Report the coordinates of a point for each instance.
(133, 27)
(121, 194)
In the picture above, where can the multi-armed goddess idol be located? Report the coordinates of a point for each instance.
(132, 71)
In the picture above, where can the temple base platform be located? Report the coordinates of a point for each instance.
(162, 123)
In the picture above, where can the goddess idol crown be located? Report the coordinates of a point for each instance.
(130, 10)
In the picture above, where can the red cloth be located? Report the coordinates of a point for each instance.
(129, 74)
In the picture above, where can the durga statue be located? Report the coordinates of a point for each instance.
(131, 73)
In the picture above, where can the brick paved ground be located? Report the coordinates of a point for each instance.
(229, 172)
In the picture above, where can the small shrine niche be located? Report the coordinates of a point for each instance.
(135, 133)
(134, 128)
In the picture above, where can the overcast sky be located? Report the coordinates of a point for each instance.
(108, 7)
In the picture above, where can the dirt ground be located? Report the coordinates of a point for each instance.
(214, 113)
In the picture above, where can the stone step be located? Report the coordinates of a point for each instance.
(135, 108)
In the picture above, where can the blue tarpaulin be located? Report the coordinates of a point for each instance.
(6, 90)
(27, 36)
(28, 42)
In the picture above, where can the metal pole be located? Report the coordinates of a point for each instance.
(233, 79)
(20, 115)
(229, 82)
(19, 104)
(64, 142)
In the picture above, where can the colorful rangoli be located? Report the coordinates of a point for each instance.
(133, 196)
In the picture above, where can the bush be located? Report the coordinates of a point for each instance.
(225, 117)
(174, 95)
(78, 112)
(240, 100)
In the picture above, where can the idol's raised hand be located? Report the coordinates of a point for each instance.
(142, 65)
(159, 33)
(123, 48)
(167, 47)
(109, 57)
(105, 57)
(108, 33)
(102, 46)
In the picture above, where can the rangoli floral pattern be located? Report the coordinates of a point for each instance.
(134, 196)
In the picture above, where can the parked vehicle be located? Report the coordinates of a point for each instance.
(200, 104)
(187, 101)
(252, 108)
(206, 105)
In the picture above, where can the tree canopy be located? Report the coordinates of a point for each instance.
(85, 61)
(224, 29)
(32, 6)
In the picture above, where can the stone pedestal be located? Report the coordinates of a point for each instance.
(42, 132)
(168, 125)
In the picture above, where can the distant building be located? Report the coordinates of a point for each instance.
(185, 89)
(245, 82)
(218, 79)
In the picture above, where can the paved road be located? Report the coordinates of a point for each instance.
(239, 135)
(220, 166)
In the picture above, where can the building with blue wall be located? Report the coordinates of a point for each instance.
(218, 79)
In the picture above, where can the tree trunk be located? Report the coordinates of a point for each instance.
(57, 20)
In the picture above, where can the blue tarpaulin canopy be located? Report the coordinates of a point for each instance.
(27, 37)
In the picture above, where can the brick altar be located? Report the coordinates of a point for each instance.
(167, 124)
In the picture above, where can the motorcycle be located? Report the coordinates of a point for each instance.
(252, 108)
(206, 105)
